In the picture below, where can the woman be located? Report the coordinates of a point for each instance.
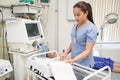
(83, 36)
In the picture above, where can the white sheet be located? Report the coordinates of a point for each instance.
(62, 70)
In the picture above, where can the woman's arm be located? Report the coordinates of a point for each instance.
(64, 55)
(69, 49)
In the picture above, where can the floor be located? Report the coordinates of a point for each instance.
(115, 76)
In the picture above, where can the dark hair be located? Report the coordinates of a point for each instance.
(85, 7)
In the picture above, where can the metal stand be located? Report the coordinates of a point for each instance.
(20, 71)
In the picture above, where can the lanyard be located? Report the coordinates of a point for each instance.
(75, 37)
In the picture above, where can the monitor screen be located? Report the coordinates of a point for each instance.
(32, 29)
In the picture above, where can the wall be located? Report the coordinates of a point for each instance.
(8, 2)
(6, 11)
(50, 29)
(64, 26)
(58, 28)
(109, 50)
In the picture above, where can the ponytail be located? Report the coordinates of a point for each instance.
(90, 16)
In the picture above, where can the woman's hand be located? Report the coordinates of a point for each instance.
(63, 56)
(71, 61)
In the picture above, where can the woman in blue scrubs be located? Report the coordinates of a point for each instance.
(83, 36)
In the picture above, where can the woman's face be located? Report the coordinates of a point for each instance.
(79, 15)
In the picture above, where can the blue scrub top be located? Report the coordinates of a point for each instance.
(86, 33)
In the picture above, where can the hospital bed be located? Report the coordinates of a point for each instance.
(38, 65)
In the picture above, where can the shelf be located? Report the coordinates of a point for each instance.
(26, 8)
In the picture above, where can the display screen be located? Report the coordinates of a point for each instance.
(32, 29)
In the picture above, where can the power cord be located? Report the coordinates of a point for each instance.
(4, 37)
(7, 47)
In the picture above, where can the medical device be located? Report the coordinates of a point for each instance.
(5, 67)
(110, 18)
(39, 65)
(21, 33)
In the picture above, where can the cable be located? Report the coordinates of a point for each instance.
(46, 17)
(44, 23)
(7, 47)
(3, 33)
(4, 37)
